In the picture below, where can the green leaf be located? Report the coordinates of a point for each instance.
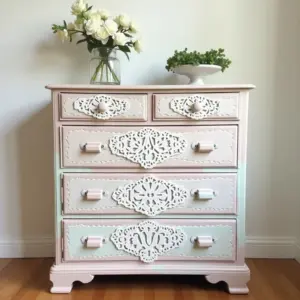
(124, 49)
(81, 41)
(90, 47)
(126, 55)
(89, 8)
(127, 34)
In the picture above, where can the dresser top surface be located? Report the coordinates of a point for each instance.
(149, 88)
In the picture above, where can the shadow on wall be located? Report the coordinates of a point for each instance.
(286, 140)
(52, 56)
(35, 156)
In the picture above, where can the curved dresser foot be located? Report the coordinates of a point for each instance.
(236, 282)
(63, 282)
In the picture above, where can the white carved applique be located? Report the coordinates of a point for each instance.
(150, 196)
(148, 146)
(185, 106)
(111, 106)
(148, 239)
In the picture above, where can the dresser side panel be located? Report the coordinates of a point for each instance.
(57, 178)
(242, 169)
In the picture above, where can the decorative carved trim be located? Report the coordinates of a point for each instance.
(184, 106)
(183, 181)
(150, 196)
(148, 239)
(89, 106)
(148, 146)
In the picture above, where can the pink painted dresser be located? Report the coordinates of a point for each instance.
(150, 180)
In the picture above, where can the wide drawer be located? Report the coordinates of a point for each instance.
(196, 107)
(134, 147)
(149, 240)
(103, 107)
(149, 195)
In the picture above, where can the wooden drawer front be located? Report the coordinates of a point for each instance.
(150, 195)
(207, 107)
(137, 147)
(104, 107)
(149, 240)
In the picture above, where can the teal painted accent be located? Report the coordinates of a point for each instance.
(222, 249)
(57, 181)
(241, 195)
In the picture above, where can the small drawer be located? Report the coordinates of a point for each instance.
(150, 194)
(149, 240)
(196, 107)
(148, 148)
(103, 107)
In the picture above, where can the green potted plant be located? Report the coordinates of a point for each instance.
(196, 65)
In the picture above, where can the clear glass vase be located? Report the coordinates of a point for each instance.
(104, 66)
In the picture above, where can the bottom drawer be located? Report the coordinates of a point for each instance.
(149, 240)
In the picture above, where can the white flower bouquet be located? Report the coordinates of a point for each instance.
(104, 34)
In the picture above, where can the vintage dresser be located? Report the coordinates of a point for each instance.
(150, 180)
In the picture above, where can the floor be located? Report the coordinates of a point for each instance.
(27, 279)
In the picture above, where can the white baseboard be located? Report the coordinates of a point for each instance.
(270, 247)
(38, 247)
(256, 247)
(298, 251)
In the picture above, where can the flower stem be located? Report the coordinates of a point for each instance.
(104, 66)
(93, 79)
(116, 79)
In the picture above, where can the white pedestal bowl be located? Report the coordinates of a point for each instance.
(196, 73)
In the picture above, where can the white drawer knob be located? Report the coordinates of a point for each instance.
(102, 107)
(92, 147)
(93, 241)
(203, 194)
(93, 195)
(204, 147)
(197, 107)
(204, 241)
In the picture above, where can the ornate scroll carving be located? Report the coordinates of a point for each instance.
(150, 196)
(147, 240)
(148, 146)
(109, 106)
(195, 106)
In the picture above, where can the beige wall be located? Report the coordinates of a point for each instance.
(261, 37)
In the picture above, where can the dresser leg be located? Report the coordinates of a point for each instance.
(236, 282)
(63, 283)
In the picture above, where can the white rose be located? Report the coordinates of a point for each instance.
(93, 24)
(102, 35)
(120, 39)
(138, 46)
(111, 27)
(104, 14)
(78, 7)
(89, 13)
(123, 20)
(71, 26)
(63, 34)
(133, 27)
